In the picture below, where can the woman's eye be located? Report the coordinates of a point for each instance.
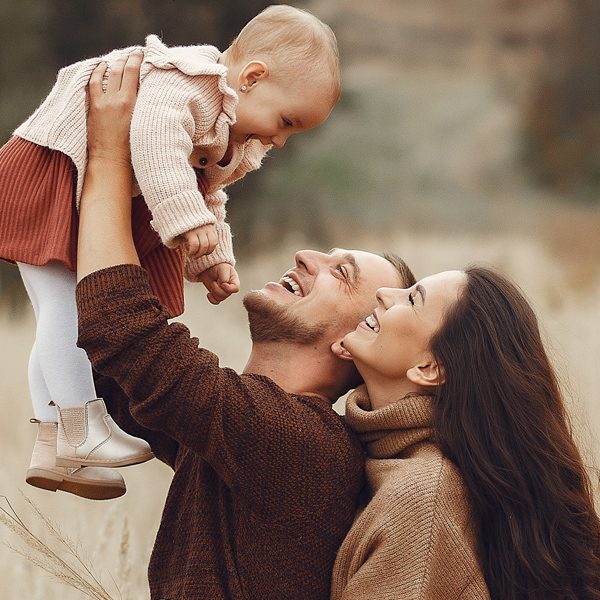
(411, 298)
(342, 270)
(286, 122)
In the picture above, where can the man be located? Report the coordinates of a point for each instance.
(266, 475)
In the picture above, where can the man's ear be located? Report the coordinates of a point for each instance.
(340, 350)
(427, 374)
(251, 73)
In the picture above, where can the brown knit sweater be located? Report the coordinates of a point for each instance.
(414, 540)
(265, 483)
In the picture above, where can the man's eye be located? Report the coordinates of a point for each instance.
(286, 122)
(342, 270)
(411, 298)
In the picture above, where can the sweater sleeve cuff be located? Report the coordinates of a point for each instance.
(111, 284)
(223, 253)
(179, 214)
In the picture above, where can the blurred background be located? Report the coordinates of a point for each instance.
(468, 131)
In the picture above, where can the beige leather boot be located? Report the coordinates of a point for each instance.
(88, 436)
(96, 483)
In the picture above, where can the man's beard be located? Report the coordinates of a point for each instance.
(271, 322)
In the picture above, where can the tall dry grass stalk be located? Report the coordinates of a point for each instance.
(124, 568)
(60, 556)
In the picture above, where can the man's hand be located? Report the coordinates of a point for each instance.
(109, 115)
(199, 241)
(105, 236)
(221, 281)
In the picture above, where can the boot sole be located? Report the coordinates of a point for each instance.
(47, 480)
(62, 461)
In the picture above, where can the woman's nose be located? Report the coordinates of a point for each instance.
(386, 296)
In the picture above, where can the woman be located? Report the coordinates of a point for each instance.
(476, 487)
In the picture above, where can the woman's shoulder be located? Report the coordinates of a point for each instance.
(426, 477)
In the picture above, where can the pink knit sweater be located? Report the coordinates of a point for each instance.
(414, 540)
(181, 121)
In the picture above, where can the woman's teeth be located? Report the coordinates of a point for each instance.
(290, 283)
(371, 321)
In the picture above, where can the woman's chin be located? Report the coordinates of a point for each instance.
(349, 341)
(354, 343)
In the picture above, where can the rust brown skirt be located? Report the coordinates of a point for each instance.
(38, 219)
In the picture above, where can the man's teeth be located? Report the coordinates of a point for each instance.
(295, 288)
(371, 321)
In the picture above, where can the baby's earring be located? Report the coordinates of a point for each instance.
(244, 87)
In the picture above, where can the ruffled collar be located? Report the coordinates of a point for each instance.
(193, 61)
(389, 431)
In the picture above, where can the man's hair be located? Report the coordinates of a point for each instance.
(406, 275)
(289, 36)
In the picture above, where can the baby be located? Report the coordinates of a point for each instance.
(203, 119)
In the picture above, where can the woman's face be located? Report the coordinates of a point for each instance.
(395, 337)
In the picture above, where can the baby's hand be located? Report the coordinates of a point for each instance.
(199, 241)
(221, 281)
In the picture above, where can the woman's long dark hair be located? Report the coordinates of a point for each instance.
(500, 417)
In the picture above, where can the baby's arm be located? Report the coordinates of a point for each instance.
(167, 115)
(200, 241)
(216, 270)
(221, 281)
(224, 249)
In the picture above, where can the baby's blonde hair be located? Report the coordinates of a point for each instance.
(288, 36)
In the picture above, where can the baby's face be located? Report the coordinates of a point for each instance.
(271, 111)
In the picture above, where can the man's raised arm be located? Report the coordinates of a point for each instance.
(105, 237)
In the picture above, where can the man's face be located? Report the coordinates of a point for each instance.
(322, 298)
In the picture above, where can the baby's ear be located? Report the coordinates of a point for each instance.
(340, 351)
(252, 72)
(427, 374)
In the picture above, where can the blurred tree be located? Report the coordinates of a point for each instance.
(562, 119)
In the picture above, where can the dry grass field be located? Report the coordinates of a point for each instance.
(117, 535)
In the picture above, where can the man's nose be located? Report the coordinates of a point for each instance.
(310, 260)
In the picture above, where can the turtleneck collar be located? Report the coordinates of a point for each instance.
(387, 432)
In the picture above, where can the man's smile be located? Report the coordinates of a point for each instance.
(290, 282)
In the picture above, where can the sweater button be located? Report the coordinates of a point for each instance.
(203, 161)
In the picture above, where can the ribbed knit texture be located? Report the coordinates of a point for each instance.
(183, 103)
(39, 223)
(34, 228)
(414, 540)
(265, 482)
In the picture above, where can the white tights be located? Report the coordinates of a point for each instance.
(58, 369)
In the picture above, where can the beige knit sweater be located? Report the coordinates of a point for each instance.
(414, 539)
(181, 121)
